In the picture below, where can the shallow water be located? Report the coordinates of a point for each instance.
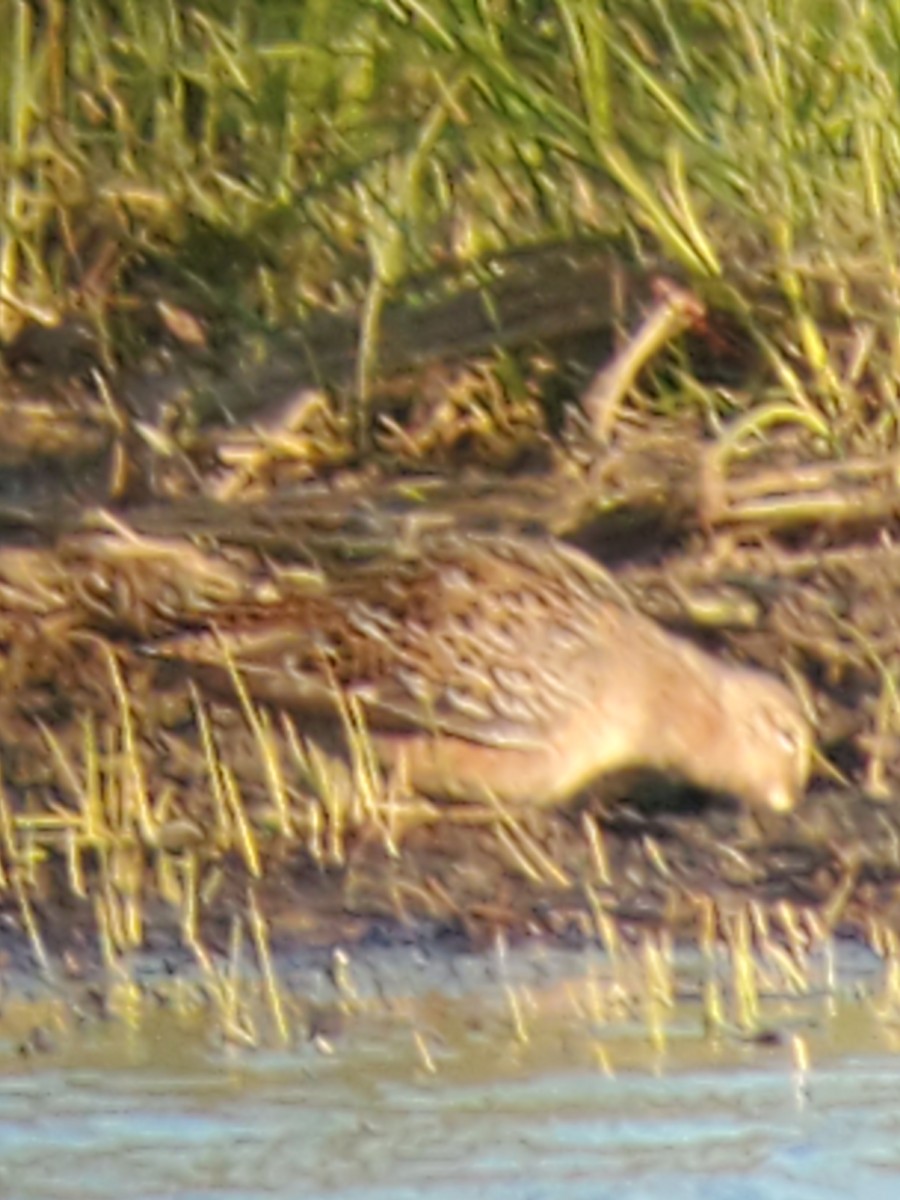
(448, 1096)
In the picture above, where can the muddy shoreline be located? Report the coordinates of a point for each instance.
(140, 815)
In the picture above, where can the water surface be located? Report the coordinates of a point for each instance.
(447, 1096)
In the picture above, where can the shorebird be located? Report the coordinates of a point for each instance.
(509, 668)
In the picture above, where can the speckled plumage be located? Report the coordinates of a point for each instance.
(512, 667)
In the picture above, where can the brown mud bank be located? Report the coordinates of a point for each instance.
(142, 812)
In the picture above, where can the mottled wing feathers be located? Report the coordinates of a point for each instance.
(485, 637)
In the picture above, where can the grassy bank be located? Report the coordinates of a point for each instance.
(194, 182)
(258, 162)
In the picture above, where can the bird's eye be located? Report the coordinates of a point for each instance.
(789, 738)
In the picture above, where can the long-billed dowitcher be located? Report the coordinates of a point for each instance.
(512, 668)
